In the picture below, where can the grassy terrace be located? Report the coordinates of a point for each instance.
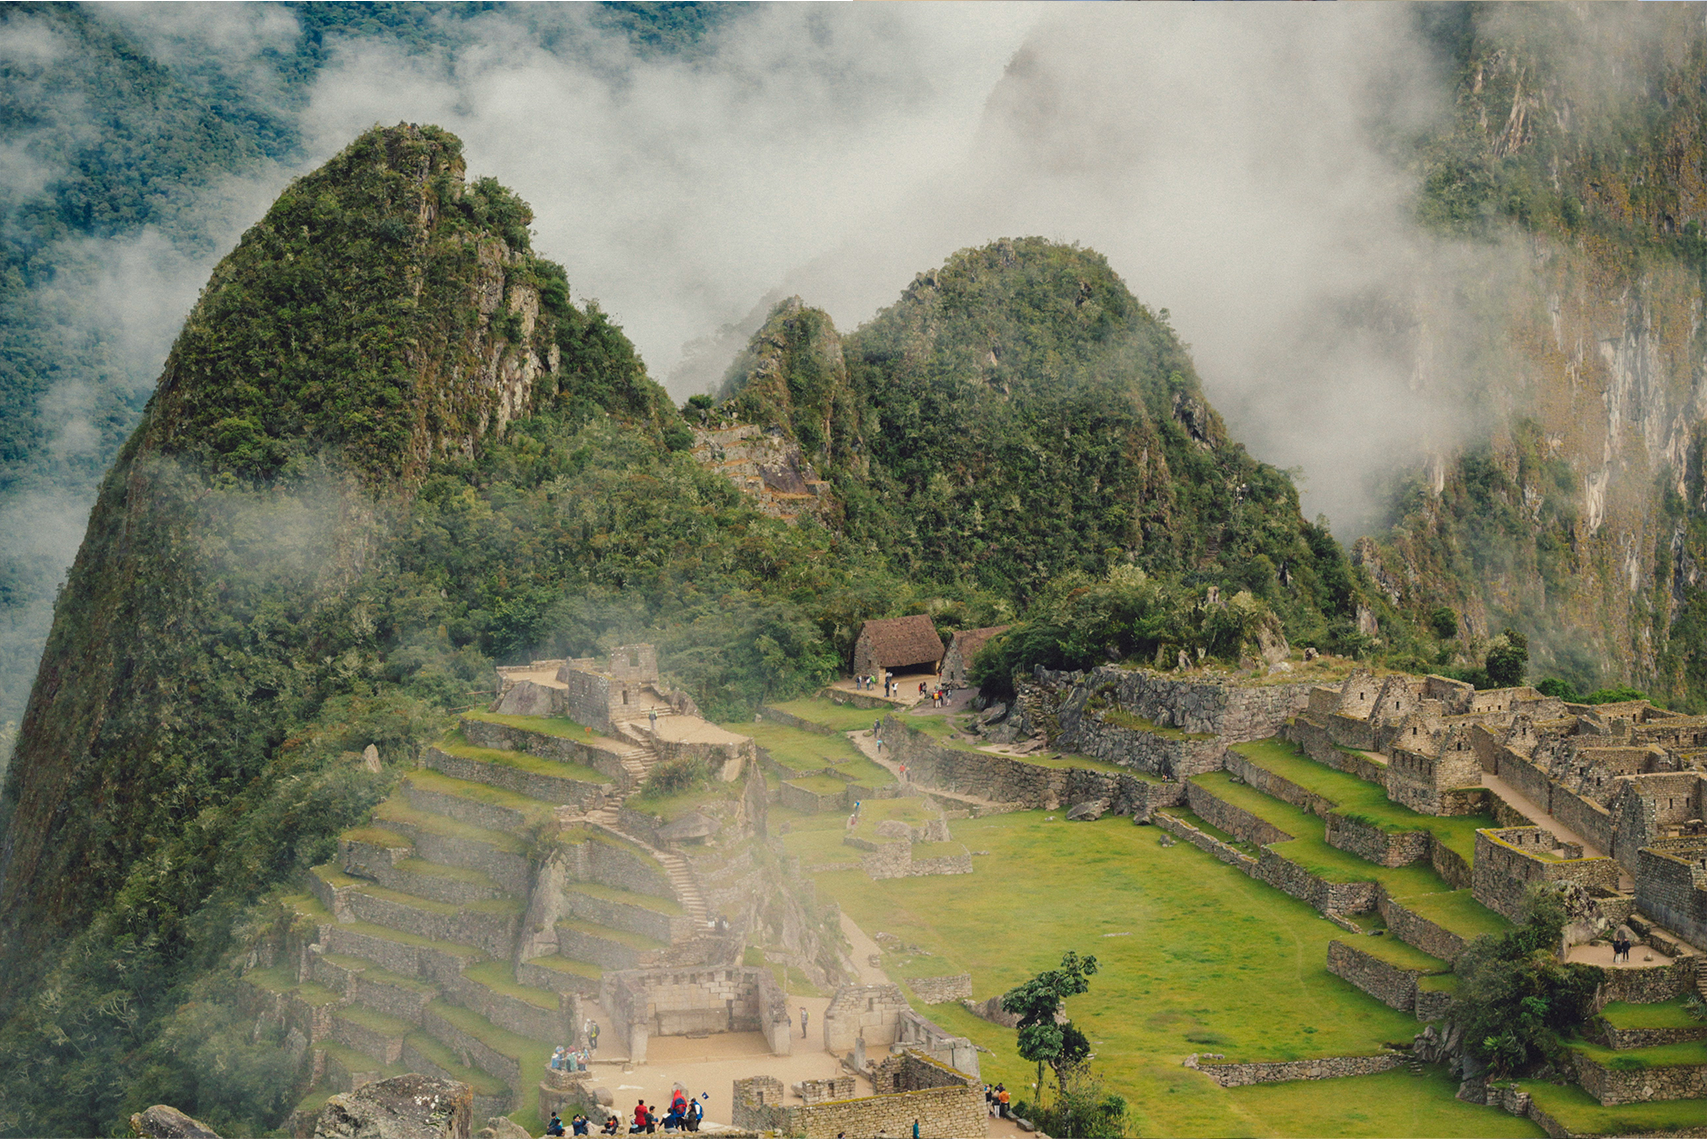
(1361, 799)
(1582, 1113)
(636, 941)
(822, 710)
(1194, 957)
(1689, 1052)
(666, 906)
(455, 743)
(560, 726)
(1417, 886)
(1395, 952)
(397, 811)
(499, 976)
(806, 751)
(1663, 1014)
(438, 1053)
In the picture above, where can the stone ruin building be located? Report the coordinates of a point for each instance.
(924, 1074)
(626, 691)
(958, 659)
(1627, 782)
(897, 644)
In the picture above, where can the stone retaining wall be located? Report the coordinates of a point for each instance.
(513, 1014)
(1647, 986)
(484, 1106)
(1208, 843)
(941, 990)
(1450, 865)
(1003, 779)
(1612, 1086)
(483, 1055)
(799, 798)
(1392, 986)
(625, 916)
(790, 720)
(1337, 897)
(1235, 712)
(1326, 1068)
(1153, 752)
(952, 1105)
(561, 789)
(495, 933)
(501, 737)
(1235, 821)
(1433, 1005)
(1601, 1032)
(474, 812)
(509, 871)
(1372, 844)
(418, 961)
(1416, 930)
(1278, 787)
(1320, 746)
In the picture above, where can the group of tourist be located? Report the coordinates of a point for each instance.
(684, 1115)
(567, 1060)
(580, 1125)
(996, 1100)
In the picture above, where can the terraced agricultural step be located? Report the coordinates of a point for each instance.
(406, 954)
(425, 1053)
(373, 986)
(347, 1069)
(504, 1054)
(490, 926)
(562, 974)
(491, 989)
(453, 885)
(364, 851)
(606, 947)
(437, 838)
(657, 918)
(529, 778)
(375, 1034)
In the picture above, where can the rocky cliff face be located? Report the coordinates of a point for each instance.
(1576, 512)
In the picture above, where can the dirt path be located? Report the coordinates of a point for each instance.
(864, 949)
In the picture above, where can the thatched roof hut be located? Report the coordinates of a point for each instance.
(897, 643)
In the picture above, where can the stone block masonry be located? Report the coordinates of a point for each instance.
(1326, 1068)
(1510, 861)
(942, 990)
(1388, 983)
(603, 758)
(1002, 779)
(1615, 1086)
(911, 1086)
(1237, 713)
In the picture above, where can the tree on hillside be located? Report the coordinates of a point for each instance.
(1517, 999)
(1508, 659)
(1048, 1037)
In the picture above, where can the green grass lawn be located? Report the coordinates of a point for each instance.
(1395, 952)
(1392, 1103)
(1582, 1113)
(1360, 798)
(1661, 1014)
(1194, 957)
(838, 717)
(1416, 886)
(1634, 1059)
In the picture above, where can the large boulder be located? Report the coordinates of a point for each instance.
(162, 1122)
(403, 1107)
(1088, 811)
(526, 698)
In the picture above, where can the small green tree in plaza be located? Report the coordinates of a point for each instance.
(1047, 1037)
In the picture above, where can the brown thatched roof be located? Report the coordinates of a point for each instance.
(969, 641)
(898, 641)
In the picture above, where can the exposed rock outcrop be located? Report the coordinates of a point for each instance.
(162, 1122)
(403, 1107)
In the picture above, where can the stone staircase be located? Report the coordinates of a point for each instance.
(414, 965)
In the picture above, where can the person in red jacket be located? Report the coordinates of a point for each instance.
(639, 1117)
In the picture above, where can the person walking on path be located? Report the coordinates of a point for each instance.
(803, 1023)
(652, 715)
(592, 1027)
